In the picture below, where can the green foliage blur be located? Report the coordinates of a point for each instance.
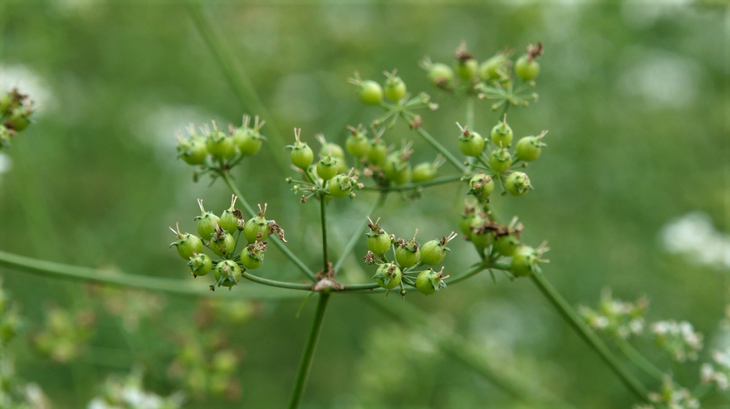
(636, 100)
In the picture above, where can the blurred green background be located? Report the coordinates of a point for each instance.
(636, 99)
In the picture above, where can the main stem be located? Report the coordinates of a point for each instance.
(589, 336)
(306, 363)
(323, 219)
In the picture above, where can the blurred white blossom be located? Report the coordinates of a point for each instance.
(27, 82)
(615, 317)
(694, 236)
(671, 397)
(679, 339)
(128, 394)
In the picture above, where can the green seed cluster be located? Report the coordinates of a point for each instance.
(217, 234)
(409, 256)
(64, 336)
(467, 75)
(204, 365)
(495, 162)
(330, 176)
(215, 150)
(16, 110)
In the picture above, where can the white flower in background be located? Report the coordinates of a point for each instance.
(615, 317)
(678, 339)
(694, 236)
(156, 127)
(128, 394)
(27, 82)
(662, 79)
(671, 397)
(719, 374)
(5, 163)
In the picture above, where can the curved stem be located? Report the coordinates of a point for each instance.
(410, 186)
(468, 273)
(639, 360)
(470, 112)
(436, 145)
(167, 285)
(323, 220)
(589, 336)
(357, 235)
(288, 253)
(306, 362)
(275, 283)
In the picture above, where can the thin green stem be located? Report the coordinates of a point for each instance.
(411, 186)
(468, 273)
(589, 336)
(241, 85)
(357, 235)
(639, 360)
(288, 253)
(275, 283)
(114, 278)
(306, 362)
(470, 112)
(436, 145)
(323, 220)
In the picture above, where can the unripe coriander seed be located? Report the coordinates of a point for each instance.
(388, 276)
(378, 240)
(429, 281)
(493, 68)
(395, 88)
(371, 93)
(300, 153)
(257, 228)
(408, 252)
(200, 264)
(357, 144)
(434, 251)
(470, 143)
(206, 222)
(529, 148)
(222, 243)
(187, 244)
(219, 144)
(193, 151)
(501, 134)
(327, 167)
(440, 75)
(500, 160)
(517, 184)
(481, 185)
(252, 255)
(230, 217)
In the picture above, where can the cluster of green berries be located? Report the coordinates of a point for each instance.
(64, 336)
(206, 364)
(16, 110)
(330, 176)
(466, 72)
(497, 162)
(408, 256)
(495, 241)
(213, 148)
(216, 233)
